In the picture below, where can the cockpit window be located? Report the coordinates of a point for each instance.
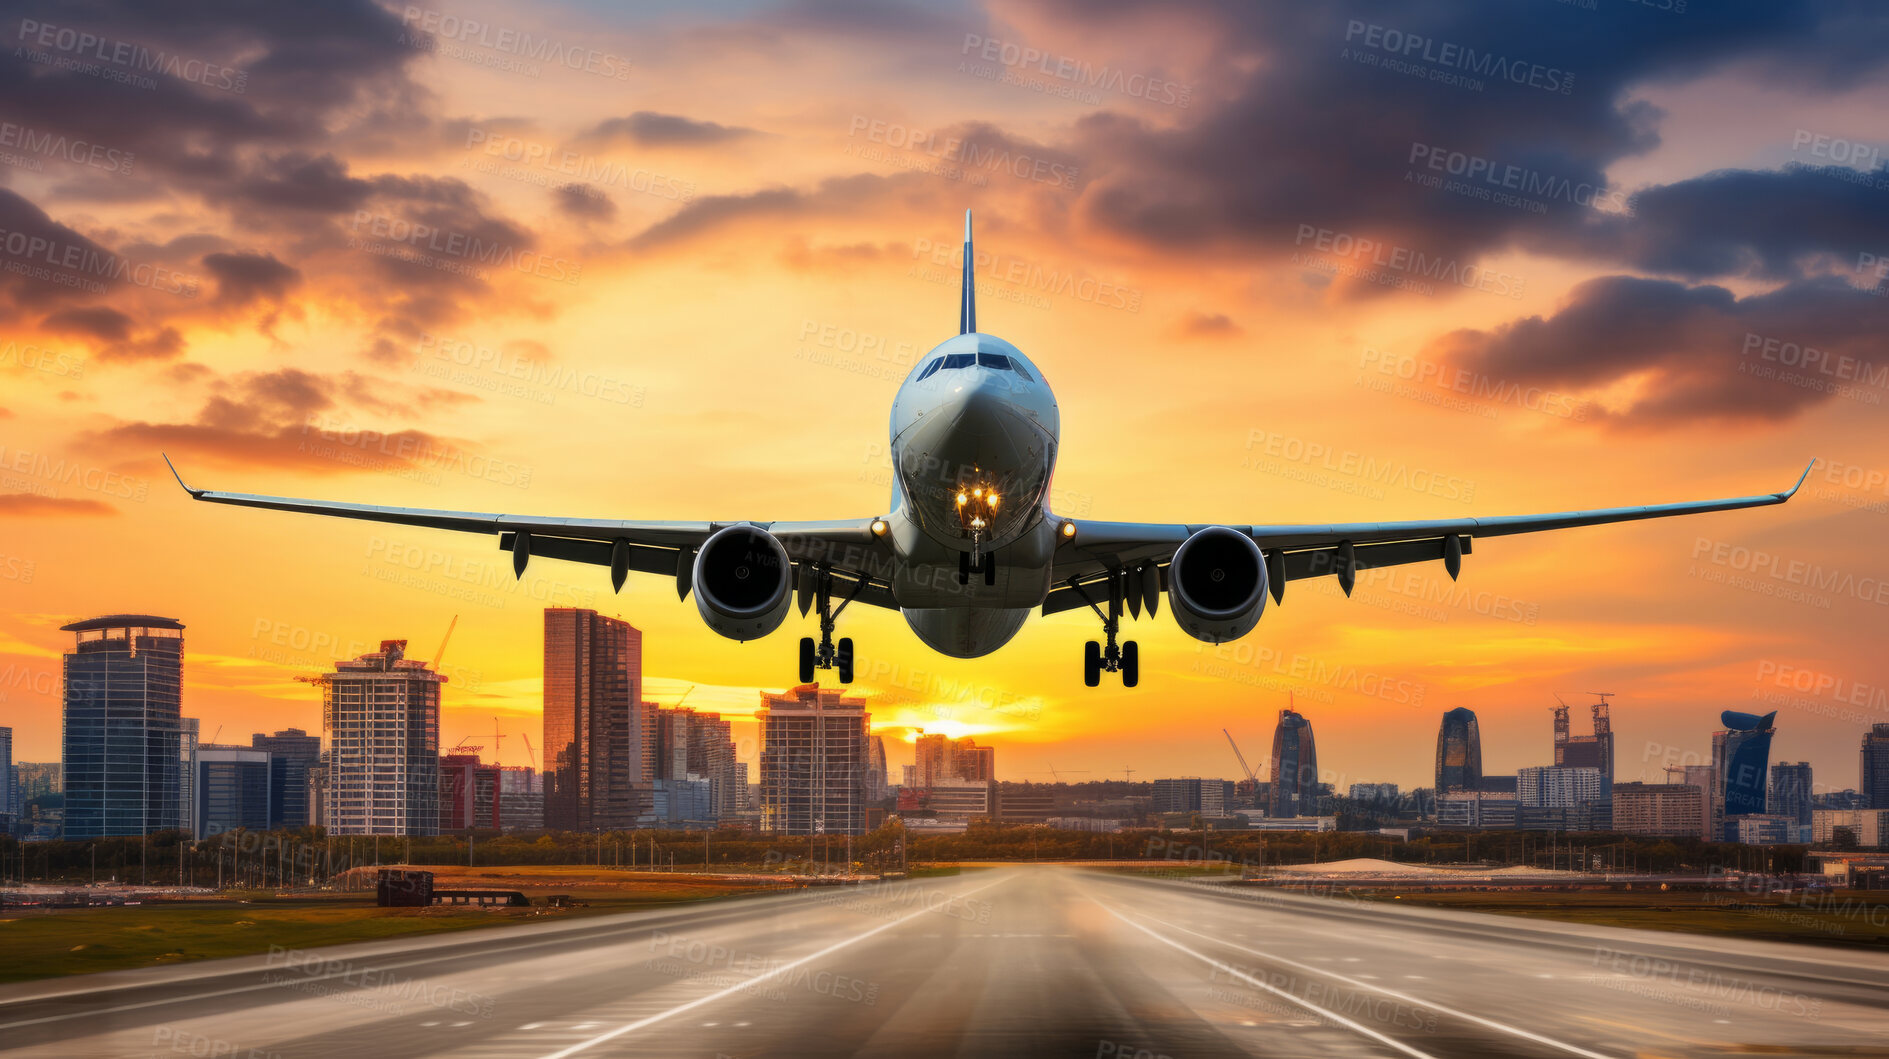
(994, 361)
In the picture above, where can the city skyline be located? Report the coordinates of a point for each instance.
(615, 761)
(1655, 758)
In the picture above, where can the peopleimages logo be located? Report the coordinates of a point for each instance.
(79, 45)
(512, 42)
(1522, 180)
(1450, 56)
(1401, 262)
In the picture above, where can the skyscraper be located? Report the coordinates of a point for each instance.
(599, 739)
(189, 731)
(9, 785)
(232, 789)
(121, 743)
(878, 783)
(940, 760)
(381, 715)
(1790, 793)
(1742, 755)
(694, 745)
(469, 794)
(975, 763)
(1873, 783)
(814, 759)
(1459, 752)
(1558, 787)
(1294, 767)
(1586, 751)
(930, 759)
(520, 798)
(292, 752)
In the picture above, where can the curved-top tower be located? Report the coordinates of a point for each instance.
(1459, 752)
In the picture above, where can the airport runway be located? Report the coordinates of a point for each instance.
(1025, 960)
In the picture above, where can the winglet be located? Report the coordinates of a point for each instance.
(194, 493)
(967, 298)
(1800, 482)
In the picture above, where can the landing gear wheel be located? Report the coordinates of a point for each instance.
(808, 659)
(1111, 657)
(843, 659)
(824, 655)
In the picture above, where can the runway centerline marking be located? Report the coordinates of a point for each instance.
(1477, 1019)
(1306, 1004)
(631, 1027)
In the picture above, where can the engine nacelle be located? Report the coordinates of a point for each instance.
(743, 582)
(1217, 584)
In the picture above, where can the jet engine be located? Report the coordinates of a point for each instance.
(1217, 584)
(743, 582)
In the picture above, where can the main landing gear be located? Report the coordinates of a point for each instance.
(1110, 657)
(817, 587)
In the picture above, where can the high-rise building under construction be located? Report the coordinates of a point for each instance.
(1586, 751)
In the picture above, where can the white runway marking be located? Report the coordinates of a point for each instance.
(631, 1027)
(1477, 1019)
(1282, 994)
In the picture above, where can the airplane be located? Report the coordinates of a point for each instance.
(968, 546)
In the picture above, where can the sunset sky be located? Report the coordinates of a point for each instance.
(1281, 262)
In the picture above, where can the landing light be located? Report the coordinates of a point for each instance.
(961, 499)
(879, 527)
(1069, 530)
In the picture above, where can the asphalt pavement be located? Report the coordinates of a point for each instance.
(1021, 960)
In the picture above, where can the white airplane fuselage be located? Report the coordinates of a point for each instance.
(974, 435)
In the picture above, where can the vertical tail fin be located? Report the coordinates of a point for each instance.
(967, 299)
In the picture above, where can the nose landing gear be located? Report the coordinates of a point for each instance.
(973, 562)
(816, 586)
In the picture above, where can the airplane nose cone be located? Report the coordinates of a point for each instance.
(979, 405)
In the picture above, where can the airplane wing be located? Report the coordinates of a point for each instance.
(1102, 550)
(860, 564)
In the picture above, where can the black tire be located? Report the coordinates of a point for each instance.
(807, 658)
(1131, 663)
(843, 659)
(1092, 664)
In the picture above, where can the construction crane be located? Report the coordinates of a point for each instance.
(530, 753)
(461, 746)
(1244, 767)
(1060, 774)
(496, 740)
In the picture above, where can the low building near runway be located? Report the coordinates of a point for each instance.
(404, 888)
(1257, 820)
(1848, 868)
